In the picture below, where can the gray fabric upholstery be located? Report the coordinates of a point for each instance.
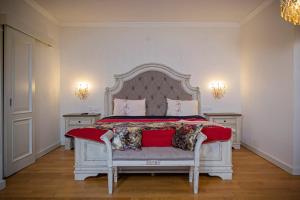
(154, 153)
(155, 87)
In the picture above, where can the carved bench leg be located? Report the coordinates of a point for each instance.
(115, 174)
(191, 175)
(110, 180)
(196, 179)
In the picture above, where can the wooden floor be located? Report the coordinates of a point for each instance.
(51, 177)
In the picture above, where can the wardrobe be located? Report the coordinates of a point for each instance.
(30, 99)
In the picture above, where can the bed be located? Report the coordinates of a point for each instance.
(155, 83)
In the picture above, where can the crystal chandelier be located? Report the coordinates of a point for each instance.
(290, 11)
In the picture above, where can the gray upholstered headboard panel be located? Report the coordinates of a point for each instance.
(155, 87)
(155, 83)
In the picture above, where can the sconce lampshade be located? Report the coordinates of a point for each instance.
(82, 90)
(218, 89)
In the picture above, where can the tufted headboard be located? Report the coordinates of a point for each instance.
(155, 83)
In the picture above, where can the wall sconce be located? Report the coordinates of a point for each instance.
(82, 90)
(218, 89)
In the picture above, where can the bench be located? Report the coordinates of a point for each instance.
(152, 156)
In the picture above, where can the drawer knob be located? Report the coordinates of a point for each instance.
(225, 121)
(79, 121)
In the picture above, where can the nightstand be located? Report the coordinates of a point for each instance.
(78, 120)
(231, 120)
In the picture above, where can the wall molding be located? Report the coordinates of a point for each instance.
(257, 10)
(48, 149)
(2, 184)
(42, 11)
(296, 171)
(152, 24)
(286, 167)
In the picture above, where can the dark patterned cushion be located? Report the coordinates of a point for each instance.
(185, 136)
(127, 138)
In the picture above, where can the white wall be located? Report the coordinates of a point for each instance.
(46, 72)
(267, 86)
(95, 54)
(22, 16)
(296, 139)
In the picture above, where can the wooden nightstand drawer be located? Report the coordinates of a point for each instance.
(80, 121)
(225, 120)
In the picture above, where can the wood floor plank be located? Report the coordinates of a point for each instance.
(51, 177)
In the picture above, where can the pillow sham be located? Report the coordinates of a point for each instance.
(125, 107)
(182, 108)
(127, 138)
(185, 136)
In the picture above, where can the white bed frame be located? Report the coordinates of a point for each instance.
(90, 157)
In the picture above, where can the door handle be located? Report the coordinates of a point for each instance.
(10, 102)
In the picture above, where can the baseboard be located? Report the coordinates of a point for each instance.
(269, 158)
(296, 171)
(48, 149)
(2, 184)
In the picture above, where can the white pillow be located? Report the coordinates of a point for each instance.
(182, 108)
(124, 107)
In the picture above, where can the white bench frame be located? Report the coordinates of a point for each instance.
(113, 164)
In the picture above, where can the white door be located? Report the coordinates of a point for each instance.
(19, 137)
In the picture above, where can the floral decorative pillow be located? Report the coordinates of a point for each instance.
(127, 138)
(182, 108)
(185, 136)
(124, 107)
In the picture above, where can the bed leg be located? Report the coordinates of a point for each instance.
(115, 174)
(191, 175)
(196, 180)
(110, 180)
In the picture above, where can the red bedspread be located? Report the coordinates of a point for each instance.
(213, 133)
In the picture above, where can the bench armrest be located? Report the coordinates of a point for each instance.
(107, 140)
(197, 151)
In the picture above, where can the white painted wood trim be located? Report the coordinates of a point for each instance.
(286, 167)
(296, 171)
(121, 78)
(48, 149)
(2, 184)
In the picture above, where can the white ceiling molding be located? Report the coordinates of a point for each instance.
(152, 24)
(42, 11)
(257, 10)
(49, 16)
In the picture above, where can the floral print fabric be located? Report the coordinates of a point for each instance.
(185, 136)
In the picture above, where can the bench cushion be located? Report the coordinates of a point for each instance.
(154, 153)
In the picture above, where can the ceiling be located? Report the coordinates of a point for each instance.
(97, 11)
